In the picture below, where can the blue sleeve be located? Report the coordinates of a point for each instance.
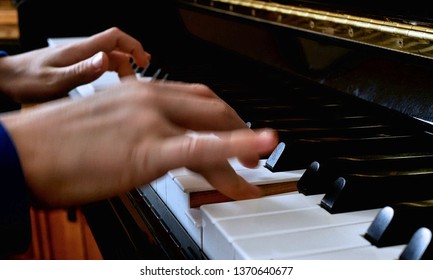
(15, 227)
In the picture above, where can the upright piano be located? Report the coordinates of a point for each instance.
(349, 88)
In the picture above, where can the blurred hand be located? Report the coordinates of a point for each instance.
(87, 149)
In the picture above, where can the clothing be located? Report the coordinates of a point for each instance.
(15, 227)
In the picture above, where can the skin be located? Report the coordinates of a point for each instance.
(76, 151)
(49, 73)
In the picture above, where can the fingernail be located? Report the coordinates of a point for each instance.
(267, 134)
(268, 137)
(97, 61)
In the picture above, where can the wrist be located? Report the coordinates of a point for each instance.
(5, 72)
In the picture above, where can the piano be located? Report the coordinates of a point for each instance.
(349, 88)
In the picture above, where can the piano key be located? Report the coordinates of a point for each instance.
(319, 175)
(396, 224)
(420, 246)
(299, 153)
(302, 243)
(377, 189)
(284, 121)
(190, 182)
(376, 130)
(179, 186)
(221, 232)
(358, 253)
(268, 204)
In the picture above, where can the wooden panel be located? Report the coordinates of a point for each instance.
(55, 237)
(8, 21)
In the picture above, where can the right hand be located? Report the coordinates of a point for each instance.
(87, 149)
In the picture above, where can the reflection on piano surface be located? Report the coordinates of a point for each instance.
(349, 93)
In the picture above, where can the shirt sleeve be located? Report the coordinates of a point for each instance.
(15, 227)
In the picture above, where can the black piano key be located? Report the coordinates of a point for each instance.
(299, 153)
(334, 131)
(313, 180)
(355, 192)
(299, 121)
(276, 104)
(394, 225)
(276, 111)
(420, 246)
(319, 175)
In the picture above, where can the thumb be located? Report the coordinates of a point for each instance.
(92, 68)
(86, 71)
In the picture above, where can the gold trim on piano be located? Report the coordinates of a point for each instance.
(398, 36)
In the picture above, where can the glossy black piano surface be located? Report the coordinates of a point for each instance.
(406, 11)
(315, 86)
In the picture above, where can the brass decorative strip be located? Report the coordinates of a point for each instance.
(397, 36)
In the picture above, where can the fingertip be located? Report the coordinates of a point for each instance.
(267, 139)
(143, 62)
(256, 192)
(250, 162)
(149, 57)
(245, 190)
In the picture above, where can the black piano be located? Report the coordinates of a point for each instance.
(347, 85)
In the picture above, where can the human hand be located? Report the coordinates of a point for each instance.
(51, 72)
(86, 149)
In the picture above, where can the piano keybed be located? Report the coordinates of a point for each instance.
(331, 126)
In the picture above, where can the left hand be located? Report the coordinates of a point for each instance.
(51, 72)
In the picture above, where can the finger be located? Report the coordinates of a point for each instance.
(120, 63)
(106, 41)
(90, 69)
(195, 152)
(115, 39)
(228, 182)
(83, 72)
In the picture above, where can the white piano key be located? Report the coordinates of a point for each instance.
(293, 245)
(82, 91)
(191, 182)
(181, 182)
(63, 40)
(263, 175)
(182, 171)
(360, 253)
(220, 233)
(178, 203)
(235, 164)
(160, 187)
(261, 206)
(106, 80)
